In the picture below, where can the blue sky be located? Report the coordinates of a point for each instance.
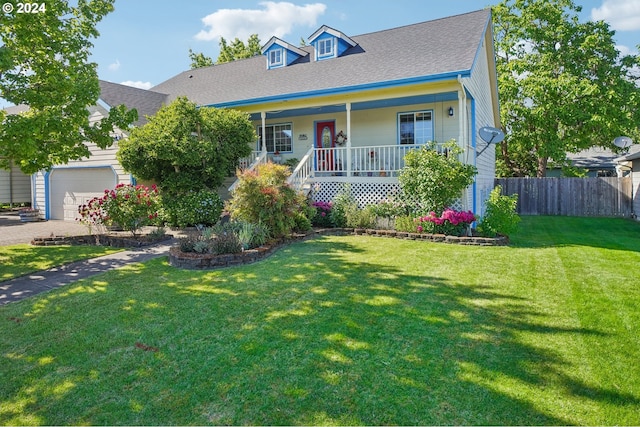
(144, 42)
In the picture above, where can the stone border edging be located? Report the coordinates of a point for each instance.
(195, 261)
(105, 240)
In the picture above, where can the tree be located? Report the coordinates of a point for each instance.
(563, 85)
(184, 148)
(44, 65)
(238, 50)
(199, 60)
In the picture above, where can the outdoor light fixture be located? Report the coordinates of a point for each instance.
(450, 111)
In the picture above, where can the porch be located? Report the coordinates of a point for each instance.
(371, 171)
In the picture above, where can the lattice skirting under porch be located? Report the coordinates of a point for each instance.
(365, 193)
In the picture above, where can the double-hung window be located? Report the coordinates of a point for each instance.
(325, 47)
(278, 137)
(275, 58)
(415, 128)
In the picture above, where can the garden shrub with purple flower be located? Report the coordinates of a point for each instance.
(451, 222)
(322, 217)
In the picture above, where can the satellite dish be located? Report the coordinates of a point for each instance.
(491, 135)
(622, 142)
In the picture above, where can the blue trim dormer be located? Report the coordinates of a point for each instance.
(280, 53)
(329, 43)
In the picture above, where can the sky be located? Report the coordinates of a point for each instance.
(145, 42)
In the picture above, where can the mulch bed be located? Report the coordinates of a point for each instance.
(113, 240)
(196, 261)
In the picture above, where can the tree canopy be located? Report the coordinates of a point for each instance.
(228, 53)
(183, 147)
(563, 85)
(44, 66)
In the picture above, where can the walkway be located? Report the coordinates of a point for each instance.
(12, 231)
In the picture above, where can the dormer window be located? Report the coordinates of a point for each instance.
(325, 47)
(275, 58)
(280, 53)
(329, 43)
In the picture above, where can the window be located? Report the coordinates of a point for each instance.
(278, 138)
(325, 47)
(415, 128)
(275, 57)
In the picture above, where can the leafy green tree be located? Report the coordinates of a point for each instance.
(183, 147)
(238, 50)
(434, 180)
(44, 65)
(563, 85)
(199, 60)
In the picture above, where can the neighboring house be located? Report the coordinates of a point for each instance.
(346, 107)
(597, 161)
(631, 162)
(59, 192)
(15, 186)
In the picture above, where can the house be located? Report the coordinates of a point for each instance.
(59, 191)
(346, 108)
(631, 162)
(597, 161)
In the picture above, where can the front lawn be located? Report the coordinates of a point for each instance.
(18, 260)
(344, 330)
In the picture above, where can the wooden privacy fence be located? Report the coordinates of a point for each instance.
(571, 196)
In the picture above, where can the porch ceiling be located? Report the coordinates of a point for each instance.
(356, 106)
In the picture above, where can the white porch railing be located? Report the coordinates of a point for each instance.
(249, 163)
(371, 161)
(301, 174)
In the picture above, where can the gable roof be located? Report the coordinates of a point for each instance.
(333, 32)
(432, 50)
(146, 102)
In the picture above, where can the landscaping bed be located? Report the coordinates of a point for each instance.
(112, 240)
(197, 261)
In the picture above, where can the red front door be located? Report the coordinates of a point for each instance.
(325, 141)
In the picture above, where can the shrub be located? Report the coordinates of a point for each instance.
(227, 243)
(194, 208)
(263, 196)
(360, 218)
(322, 214)
(451, 222)
(128, 206)
(434, 180)
(342, 203)
(406, 223)
(500, 216)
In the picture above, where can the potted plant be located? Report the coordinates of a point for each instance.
(29, 214)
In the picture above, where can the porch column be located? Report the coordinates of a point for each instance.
(348, 108)
(263, 140)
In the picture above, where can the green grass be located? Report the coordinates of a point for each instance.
(344, 330)
(18, 260)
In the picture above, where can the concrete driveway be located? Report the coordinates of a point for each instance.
(13, 231)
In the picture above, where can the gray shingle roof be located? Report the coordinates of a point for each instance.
(417, 51)
(146, 102)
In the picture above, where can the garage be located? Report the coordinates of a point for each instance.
(71, 187)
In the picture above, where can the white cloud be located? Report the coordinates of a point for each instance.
(275, 19)
(622, 15)
(115, 66)
(138, 84)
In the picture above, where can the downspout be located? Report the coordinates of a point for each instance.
(464, 132)
(263, 116)
(348, 108)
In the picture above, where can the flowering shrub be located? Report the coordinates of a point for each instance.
(322, 216)
(202, 207)
(128, 206)
(451, 222)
